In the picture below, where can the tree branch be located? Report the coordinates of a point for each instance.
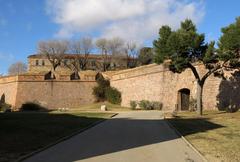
(194, 70)
(217, 67)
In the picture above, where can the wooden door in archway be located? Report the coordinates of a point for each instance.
(183, 99)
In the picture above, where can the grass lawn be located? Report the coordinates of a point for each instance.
(22, 133)
(216, 135)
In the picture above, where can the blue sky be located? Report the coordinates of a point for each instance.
(25, 22)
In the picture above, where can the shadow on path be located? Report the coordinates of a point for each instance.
(115, 135)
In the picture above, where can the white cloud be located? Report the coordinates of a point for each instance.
(130, 19)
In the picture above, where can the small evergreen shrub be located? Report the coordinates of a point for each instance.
(145, 105)
(99, 93)
(153, 105)
(157, 105)
(4, 107)
(113, 95)
(103, 82)
(100, 90)
(133, 105)
(32, 106)
(104, 91)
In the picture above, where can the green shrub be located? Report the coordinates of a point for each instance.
(113, 95)
(103, 82)
(133, 104)
(32, 106)
(100, 90)
(104, 91)
(145, 105)
(157, 105)
(4, 107)
(99, 93)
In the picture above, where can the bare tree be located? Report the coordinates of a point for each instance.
(115, 45)
(75, 64)
(81, 49)
(132, 53)
(54, 50)
(87, 45)
(102, 45)
(116, 49)
(17, 68)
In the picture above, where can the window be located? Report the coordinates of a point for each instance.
(65, 62)
(37, 62)
(93, 63)
(43, 63)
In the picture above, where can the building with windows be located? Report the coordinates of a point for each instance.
(40, 63)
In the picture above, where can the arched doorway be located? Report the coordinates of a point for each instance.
(74, 76)
(183, 99)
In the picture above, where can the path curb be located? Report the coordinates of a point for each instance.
(186, 141)
(63, 139)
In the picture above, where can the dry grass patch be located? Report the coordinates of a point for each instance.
(216, 134)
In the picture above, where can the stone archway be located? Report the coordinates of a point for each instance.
(74, 76)
(183, 99)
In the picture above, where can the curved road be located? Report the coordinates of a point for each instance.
(128, 137)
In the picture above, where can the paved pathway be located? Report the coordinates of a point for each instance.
(129, 137)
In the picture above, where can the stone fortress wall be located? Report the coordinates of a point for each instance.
(59, 93)
(156, 83)
(152, 82)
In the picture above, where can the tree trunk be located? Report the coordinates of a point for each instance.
(52, 74)
(76, 75)
(199, 98)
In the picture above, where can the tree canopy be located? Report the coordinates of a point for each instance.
(146, 56)
(229, 44)
(184, 48)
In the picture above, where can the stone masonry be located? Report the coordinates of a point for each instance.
(152, 82)
(60, 93)
(156, 83)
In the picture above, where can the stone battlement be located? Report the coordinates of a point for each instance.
(61, 92)
(84, 76)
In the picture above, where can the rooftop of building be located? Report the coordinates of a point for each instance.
(72, 56)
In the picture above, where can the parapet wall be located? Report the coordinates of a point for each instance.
(152, 82)
(157, 83)
(50, 93)
(8, 89)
